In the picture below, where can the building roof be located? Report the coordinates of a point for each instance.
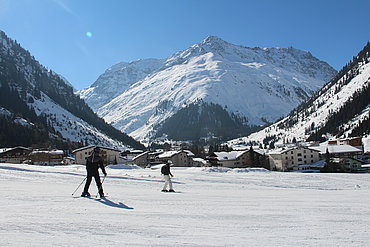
(140, 155)
(93, 146)
(189, 153)
(259, 151)
(232, 155)
(336, 149)
(284, 150)
(200, 160)
(3, 150)
(54, 152)
(168, 154)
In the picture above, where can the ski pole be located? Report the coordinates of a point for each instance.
(101, 186)
(79, 186)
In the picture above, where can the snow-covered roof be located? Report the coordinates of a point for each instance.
(140, 155)
(246, 148)
(232, 155)
(189, 153)
(3, 150)
(135, 151)
(279, 150)
(259, 151)
(168, 154)
(336, 149)
(53, 152)
(93, 146)
(200, 160)
(284, 150)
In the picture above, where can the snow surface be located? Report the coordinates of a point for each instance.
(213, 208)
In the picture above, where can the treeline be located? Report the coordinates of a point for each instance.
(204, 121)
(359, 101)
(344, 76)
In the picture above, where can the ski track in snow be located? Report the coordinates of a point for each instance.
(214, 208)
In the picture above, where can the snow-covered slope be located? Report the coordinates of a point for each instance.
(117, 79)
(258, 84)
(44, 101)
(69, 126)
(329, 111)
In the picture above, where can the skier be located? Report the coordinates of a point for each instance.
(93, 163)
(165, 170)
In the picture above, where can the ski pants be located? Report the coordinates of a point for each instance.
(97, 181)
(167, 181)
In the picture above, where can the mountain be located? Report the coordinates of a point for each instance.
(253, 86)
(341, 108)
(37, 106)
(117, 79)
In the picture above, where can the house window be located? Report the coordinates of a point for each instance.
(286, 157)
(304, 156)
(311, 161)
(291, 152)
(299, 154)
(311, 155)
(292, 157)
(304, 151)
(299, 159)
(292, 162)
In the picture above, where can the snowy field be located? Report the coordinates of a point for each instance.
(213, 208)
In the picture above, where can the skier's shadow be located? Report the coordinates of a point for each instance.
(110, 203)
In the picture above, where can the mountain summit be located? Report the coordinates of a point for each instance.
(224, 82)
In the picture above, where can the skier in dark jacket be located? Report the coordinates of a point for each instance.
(93, 163)
(165, 170)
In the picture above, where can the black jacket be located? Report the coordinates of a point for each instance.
(165, 170)
(93, 163)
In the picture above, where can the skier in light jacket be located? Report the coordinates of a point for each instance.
(165, 170)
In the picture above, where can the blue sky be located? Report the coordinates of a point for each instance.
(80, 39)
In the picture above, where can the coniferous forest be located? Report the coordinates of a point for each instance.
(23, 79)
(205, 121)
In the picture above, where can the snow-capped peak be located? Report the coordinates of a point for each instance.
(116, 79)
(258, 84)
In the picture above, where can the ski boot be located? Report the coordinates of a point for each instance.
(85, 194)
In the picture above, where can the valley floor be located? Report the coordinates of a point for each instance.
(214, 207)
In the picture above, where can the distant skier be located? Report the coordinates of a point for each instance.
(165, 170)
(93, 163)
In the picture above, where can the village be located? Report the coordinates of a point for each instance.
(341, 155)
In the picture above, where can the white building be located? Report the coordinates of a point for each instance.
(109, 155)
(178, 158)
(290, 158)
